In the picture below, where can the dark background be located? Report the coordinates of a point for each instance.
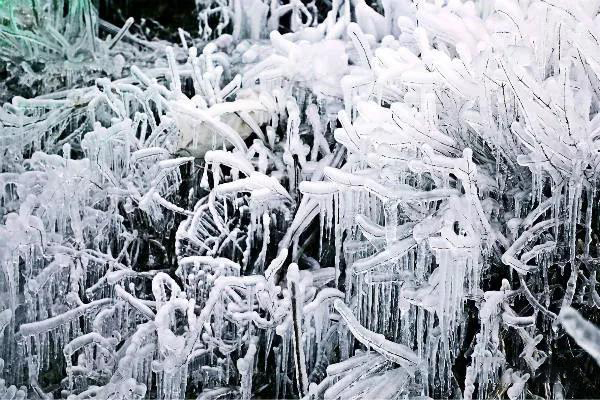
(171, 14)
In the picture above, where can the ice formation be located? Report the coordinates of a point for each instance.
(321, 200)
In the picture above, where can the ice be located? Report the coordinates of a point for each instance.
(395, 352)
(345, 199)
(584, 332)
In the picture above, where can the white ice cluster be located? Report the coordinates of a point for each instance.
(321, 200)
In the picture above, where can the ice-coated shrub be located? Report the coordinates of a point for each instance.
(318, 200)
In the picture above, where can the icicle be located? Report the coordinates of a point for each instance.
(245, 367)
(297, 295)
